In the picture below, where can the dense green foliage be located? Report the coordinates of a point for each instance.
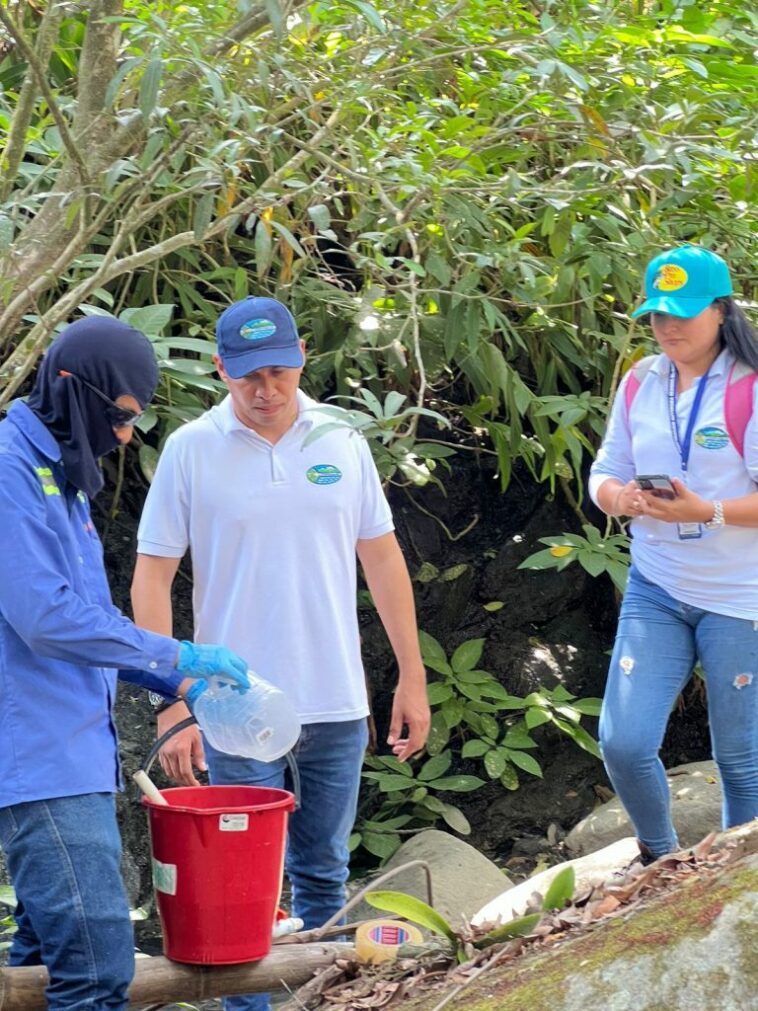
(455, 198)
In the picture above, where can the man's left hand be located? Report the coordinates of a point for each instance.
(410, 709)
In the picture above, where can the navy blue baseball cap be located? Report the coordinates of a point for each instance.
(257, 333)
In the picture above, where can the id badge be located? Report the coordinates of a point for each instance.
(689, 531)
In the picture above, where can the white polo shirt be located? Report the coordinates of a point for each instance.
(718, 571)
(272, 530)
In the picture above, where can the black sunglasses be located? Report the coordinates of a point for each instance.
(119, 417)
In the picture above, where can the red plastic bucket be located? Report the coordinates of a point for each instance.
(218, 863)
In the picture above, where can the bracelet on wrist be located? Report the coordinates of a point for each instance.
(717, 520)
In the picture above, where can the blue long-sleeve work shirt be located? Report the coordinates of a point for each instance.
(61, 637)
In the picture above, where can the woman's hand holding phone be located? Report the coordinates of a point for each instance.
(686, 506)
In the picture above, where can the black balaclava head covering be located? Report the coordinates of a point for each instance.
(114, 358)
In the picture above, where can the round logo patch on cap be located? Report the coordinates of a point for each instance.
(670, 277)
(711, 438)
(257, 329)
(323, 473)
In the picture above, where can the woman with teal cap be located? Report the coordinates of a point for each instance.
(680, 458)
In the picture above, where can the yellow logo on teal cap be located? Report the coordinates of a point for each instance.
(670, 277)
(323, 473)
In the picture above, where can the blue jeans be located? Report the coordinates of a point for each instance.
(329, 759)
(64, 860)
(657, 642)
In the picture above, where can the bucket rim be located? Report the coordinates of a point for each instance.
(286, 801)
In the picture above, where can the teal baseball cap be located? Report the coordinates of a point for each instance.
(684, 281)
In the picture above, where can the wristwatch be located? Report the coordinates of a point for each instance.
(160, 702)
(717, 520)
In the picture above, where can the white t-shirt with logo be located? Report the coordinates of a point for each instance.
(716, 572)
(272, 530)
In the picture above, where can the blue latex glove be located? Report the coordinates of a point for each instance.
(196, 689)
(198, 660)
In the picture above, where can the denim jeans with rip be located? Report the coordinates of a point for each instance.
(657, 642)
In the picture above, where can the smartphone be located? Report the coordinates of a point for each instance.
(659, 484)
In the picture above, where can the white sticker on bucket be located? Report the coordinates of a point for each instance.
(164, 877)
(233, 822)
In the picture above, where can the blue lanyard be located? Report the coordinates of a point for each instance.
(684, 446)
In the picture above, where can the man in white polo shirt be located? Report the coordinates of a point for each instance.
(274, 522)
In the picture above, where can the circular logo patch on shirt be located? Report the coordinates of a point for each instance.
(670, 277)
(323, 473)
(257, 329)
(711, 438)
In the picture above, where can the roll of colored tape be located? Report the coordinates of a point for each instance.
(380, 940)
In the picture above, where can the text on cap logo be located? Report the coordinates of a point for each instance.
(670, 277)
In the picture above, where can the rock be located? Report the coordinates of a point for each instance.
(462, 878)
(688, 948)
(695, 808)
(589, 870)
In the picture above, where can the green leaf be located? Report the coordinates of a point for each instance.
(509, 778)
(148, 461)
(588, 707)
(580, 736)
(474, 749)
(435, 767)
(264, 251)
(274, 11)
(466, 657)
(456, 819)
(535, 717)
(494, 763)
(320, 216)
(389, 783)
(370, 13)
(412, 909)
(517, 737)
(288, 237)
(514, 928)
(150, 319)
(149, 87)
(561, 890)
(437, 692)
(380, 844)
(203, 214)
(430, 647)
(457, 784)
(526, 762)
(439, 734)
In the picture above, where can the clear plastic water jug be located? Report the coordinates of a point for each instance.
(259, 723)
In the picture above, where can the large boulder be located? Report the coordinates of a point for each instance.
(695, 809)
(462, 878)
(690, 947)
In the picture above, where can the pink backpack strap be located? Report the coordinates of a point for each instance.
(636, 377)
(738, 403)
